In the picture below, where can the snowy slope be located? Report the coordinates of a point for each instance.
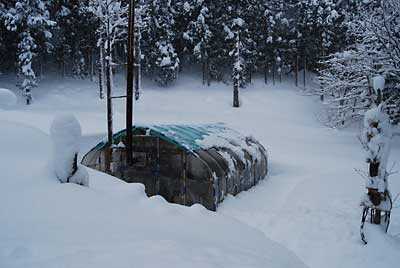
(309, 203)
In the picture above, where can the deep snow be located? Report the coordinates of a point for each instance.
(309, 202)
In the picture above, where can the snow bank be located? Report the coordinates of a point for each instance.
(112, 223)
(66, 133)
(7, 98)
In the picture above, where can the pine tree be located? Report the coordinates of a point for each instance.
(161, 58)
(76, 37)
(199, 36)
(31, 20)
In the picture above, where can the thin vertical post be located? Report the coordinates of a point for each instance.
(129, 84)
(108, 84)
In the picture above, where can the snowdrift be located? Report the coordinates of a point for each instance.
(111, 224)
(7, 98)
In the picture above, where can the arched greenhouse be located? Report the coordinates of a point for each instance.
(186, 164)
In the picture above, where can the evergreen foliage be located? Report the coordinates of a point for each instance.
(347, 41)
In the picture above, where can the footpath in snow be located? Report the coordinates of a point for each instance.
(309, 203)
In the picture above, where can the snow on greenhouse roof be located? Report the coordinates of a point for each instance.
(192, 137)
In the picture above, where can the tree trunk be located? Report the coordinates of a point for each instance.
(137, 81)
(101, 72)
(203, 66)
(91, 66)
(297, 70)
(235, 92)
(273, 73)
(305, 73)
(41, 67)
(378, 97)
(63, 64)
(250, 75)
(208, 70)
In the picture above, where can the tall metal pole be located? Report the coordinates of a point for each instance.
(129, 84)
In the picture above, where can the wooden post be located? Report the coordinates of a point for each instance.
(138, 57)
(107, 159)
(184, 177)
(129, 84)
(108, 150)
(378, 97)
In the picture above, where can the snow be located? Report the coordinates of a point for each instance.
(7, 98)
(186, 6)
(377, 136)
(65, 133)
(166, 61)
(309, 203)
(379, 83)
(112, 223)
(238, 21)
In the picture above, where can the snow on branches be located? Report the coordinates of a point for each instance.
(31, 19)
(346, 78)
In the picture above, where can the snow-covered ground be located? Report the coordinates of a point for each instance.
(308, 203)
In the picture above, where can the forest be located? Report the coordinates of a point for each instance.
(345, 42)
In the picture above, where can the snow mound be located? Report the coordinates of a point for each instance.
(66, 133)
(7, 98)
(111, 224)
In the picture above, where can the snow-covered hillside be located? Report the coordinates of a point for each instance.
(309, 203)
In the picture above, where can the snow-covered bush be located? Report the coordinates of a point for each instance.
(376, 139)
(65, 132)
(7, 98)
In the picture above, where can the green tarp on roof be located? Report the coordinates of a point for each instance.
(184, 136)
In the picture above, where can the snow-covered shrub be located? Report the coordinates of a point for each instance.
(7, 98)
(65, 132)
(376, 139)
